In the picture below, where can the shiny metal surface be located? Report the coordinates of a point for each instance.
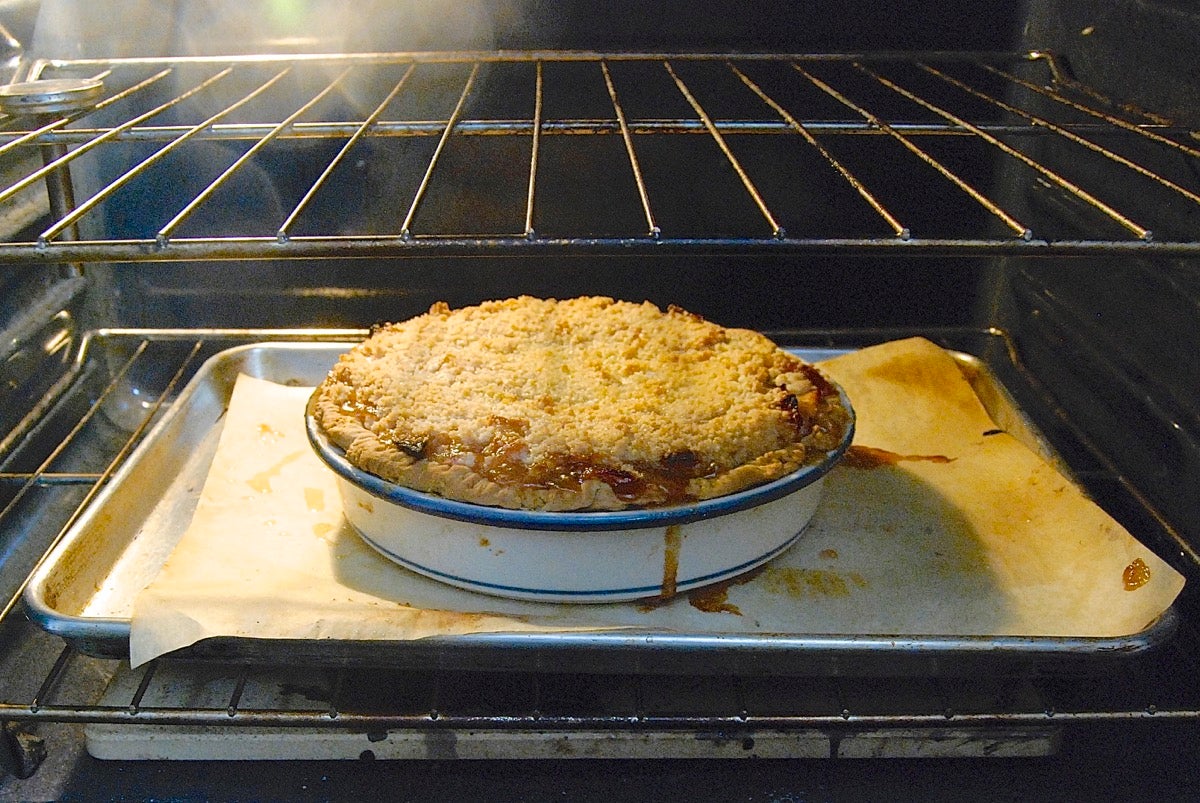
(853, 112)
(84, 590)
(49, 96)
(1128, 303)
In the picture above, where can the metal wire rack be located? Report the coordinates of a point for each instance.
(389, 155)
(80, 442)
(469, 152)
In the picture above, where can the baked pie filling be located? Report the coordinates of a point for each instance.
(579, 404)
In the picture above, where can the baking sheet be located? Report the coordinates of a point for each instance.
(887, 567)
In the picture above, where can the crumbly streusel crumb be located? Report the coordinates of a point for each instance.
(586, 403)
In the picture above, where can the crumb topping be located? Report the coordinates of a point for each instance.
(585, 403)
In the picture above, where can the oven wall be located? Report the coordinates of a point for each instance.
(1113, 339)
(1109, 338)
(768, 292)
(184, 27)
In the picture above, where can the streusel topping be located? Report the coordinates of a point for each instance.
(586, 403)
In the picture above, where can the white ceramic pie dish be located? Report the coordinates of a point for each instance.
(579, 556)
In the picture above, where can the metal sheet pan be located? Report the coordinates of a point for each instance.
(84, 591)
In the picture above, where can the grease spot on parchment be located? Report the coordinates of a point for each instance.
(314, 500)
(261, 482)
(800, 583)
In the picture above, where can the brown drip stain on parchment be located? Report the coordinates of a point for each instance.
(712, 598)
(1136, 575)
(800, 583)
(715, 598)
(261, 482)
(865, 457)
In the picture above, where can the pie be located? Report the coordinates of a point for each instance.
(580, 404)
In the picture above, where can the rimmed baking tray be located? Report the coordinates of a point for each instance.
(84, 591)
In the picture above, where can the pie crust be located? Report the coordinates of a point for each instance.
(578, 404)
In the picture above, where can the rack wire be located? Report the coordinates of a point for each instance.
(46, 681)
(417, 134)
(389, 155)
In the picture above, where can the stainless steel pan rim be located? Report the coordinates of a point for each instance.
(49, 95)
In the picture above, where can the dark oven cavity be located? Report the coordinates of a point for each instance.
(162, 209)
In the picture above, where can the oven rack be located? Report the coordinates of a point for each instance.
(122, 380)
(406, 154)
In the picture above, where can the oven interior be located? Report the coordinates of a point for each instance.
(991, 182)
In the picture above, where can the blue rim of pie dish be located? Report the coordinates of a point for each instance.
(577, 520)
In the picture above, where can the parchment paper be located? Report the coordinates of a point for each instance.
(939, 524)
